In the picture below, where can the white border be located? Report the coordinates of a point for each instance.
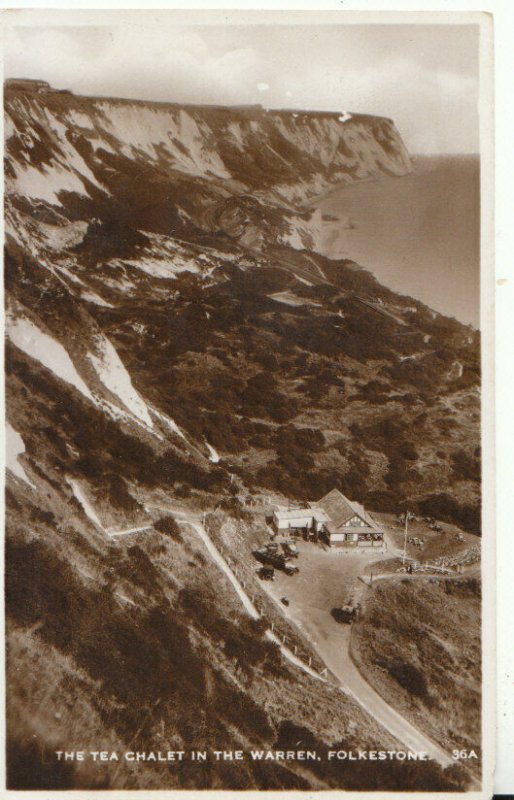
(407, 12)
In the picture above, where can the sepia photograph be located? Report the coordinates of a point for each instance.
(244, 272)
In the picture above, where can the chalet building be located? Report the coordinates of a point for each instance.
(349, 525)
(342, 523)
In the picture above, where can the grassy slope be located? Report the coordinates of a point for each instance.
(140, 644)
(418, 644)
(335, 374)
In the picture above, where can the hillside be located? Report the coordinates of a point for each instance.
(175, 334)
(415, 642)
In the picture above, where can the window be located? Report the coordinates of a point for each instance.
(355, 522)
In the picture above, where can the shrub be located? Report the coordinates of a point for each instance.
(110, 239)
(39, 515)
(119, 496)
(410, 678)
(33, 767)
(234, 507)
(261, 398)
(465, 466)
(169, 527)
(443, 506)
(300, 438)
(141, 569)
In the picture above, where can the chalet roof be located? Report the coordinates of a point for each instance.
(317, 513)
(340, 510)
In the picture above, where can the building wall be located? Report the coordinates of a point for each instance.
(342, 544)
(301, 521)
(351, 540)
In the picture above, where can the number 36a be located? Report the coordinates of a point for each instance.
(457, 755)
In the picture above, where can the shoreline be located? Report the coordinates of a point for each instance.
(418, 237)
(415, 159)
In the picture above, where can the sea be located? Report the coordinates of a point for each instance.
(419, 234)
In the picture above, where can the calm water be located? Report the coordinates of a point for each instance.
(419, 234)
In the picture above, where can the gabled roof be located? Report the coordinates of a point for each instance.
(340, 510)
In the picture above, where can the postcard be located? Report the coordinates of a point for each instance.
(248, 364)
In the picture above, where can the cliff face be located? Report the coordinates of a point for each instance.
(289, 152)
(171, 169)
(138, 232)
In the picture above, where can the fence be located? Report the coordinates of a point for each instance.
(260, 601)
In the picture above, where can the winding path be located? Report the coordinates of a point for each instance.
(93, 517)
(193, 521)
(337, 659)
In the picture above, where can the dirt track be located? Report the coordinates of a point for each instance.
(310, 604)
(332, 644)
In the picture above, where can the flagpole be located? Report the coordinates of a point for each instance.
(405, 537)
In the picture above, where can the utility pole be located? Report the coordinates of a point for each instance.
(405, 537)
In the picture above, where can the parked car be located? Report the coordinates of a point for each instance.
(277, 560)
(346, 614)
(266, 574)
(290, 549)
(284, 600)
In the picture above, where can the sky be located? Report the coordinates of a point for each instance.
(425, 77)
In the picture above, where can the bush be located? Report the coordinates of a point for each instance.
(305, 439)
(465, 467)
(141, 570)
(444, 507)
(110, 239)
(39, 515)
(119, 496)
(410, 679)
(169, 527)
(261, 398)
(234, 507)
